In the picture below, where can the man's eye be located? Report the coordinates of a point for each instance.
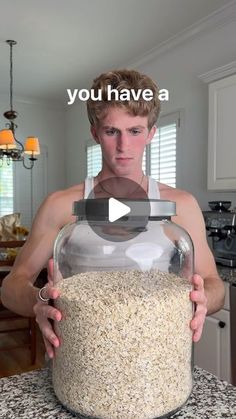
(110, 131)
(135, 131)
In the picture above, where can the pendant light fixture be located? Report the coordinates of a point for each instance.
(11, 148)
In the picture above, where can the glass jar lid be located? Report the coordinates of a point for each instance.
(98, 209)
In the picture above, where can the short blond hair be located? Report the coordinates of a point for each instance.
(124, 79)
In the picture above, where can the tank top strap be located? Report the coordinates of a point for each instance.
(153, 189)
(88, 187)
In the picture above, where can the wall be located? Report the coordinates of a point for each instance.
(47, 122)
(77, 134)
(178, 71)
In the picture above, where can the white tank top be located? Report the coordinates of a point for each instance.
(153, 189)
(162, 243)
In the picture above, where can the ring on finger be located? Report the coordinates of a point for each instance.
(40, 296)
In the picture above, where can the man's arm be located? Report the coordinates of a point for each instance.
(215, 293)
(18, 292)
(190, 217)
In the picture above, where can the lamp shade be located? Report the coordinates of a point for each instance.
(7, 140)
(32, 145)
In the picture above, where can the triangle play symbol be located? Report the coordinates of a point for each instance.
(116, 209)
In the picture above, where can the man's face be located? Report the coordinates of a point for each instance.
(123, 138)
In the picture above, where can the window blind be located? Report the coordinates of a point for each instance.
(94, 159)
(144, 161)
(6, 189)
(163, 155)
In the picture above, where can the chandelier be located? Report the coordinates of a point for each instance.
(10, 148)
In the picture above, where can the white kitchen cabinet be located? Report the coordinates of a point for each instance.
(212, 352)
(222, 134)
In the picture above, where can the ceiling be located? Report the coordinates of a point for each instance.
(64, 44)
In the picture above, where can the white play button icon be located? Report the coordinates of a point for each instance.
(116, 209)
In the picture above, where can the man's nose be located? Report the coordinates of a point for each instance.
(123, 142)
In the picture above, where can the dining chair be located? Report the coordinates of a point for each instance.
(8, 317)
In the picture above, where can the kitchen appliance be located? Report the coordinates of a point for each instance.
(219, 205)
(221, 225)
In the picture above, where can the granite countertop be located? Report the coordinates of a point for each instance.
(30, 396)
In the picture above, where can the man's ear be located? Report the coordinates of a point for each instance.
(93, 131)
(151, 134)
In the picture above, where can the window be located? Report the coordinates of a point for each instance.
(6, 188)
(159, 158)
(31, 187)
(94, 159)
(23, 190)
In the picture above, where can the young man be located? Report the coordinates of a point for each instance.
(123, 128)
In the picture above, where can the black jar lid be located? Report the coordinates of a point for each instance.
(98, 209)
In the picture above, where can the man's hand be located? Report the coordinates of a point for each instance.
(44, 313)
(198, 297)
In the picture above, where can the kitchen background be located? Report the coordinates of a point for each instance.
(64, 46)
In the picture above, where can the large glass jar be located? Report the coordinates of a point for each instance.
(126, 343)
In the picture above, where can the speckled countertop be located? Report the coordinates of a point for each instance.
(31, 396)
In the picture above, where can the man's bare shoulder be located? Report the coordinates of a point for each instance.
(169, 193)
(185, 201)
(57, 207)
(74, 192)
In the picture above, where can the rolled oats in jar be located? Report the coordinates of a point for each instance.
(126, 343)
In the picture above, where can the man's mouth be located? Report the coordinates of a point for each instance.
(124, 158)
